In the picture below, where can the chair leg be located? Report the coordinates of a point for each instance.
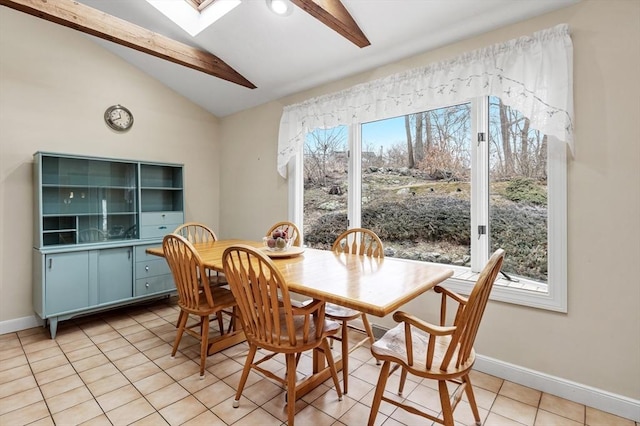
(182, 321)
(377, 397)
(403, 379)
(291, 388)
(369, 331)
(245, 374)
(204, 340)
(332, 367)
(345, 357)
(447, 411)
(220, 323)
(182, 313)
(472, 399)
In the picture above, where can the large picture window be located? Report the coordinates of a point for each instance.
(448, 185)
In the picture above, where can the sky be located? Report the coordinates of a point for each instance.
(384, 133)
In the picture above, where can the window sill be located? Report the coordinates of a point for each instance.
(524, 292)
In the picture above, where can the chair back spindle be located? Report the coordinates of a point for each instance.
(359, 241)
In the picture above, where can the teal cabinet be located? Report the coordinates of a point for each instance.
(94, 217)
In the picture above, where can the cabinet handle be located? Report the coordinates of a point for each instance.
(162, 227)
(146, 285)
(50, 263)
(146, 268)
(128, 254)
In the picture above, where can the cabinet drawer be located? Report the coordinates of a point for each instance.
(162, 218)
(157, 231)
(143, 256)
(150, 285)
(152, 268)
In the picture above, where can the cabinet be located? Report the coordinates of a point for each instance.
(94, 219)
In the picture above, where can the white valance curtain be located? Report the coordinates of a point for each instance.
(532, 74)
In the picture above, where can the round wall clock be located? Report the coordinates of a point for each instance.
(118, 118)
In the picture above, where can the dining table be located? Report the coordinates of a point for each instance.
(375, 286)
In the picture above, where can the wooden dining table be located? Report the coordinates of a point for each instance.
(374, 286)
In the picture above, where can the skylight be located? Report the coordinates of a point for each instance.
(188, 18)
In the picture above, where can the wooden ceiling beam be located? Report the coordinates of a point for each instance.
(333, 14)
(99, 24)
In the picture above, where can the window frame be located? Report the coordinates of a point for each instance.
(555, 299)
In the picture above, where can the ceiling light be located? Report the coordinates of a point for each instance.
(280, 7)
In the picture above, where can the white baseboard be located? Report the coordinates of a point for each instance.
(597, 398)
(17, 324)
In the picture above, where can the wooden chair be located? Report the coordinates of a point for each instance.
(196, 232)
(365, 243)
(271, 323)
(439, 352)
(194, 296)
(292, 231)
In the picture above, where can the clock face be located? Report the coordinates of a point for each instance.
(118, 118)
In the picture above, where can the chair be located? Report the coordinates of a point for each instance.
(292, 231)
(365, 243)
(196, 232)
(271, 323)
(92, 235)
(194, 296)
(439, 352)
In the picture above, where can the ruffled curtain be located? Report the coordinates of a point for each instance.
(532, 74)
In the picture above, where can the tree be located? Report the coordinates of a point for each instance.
(324, 150)
(407, 126)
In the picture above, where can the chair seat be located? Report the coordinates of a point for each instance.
(217, 280)
(223, 299)
(330, 328)
(340, 313)
(392, 347)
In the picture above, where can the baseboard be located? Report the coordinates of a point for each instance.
(597, 398)
(17, 324)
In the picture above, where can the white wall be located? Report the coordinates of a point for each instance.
(597, 343)
(55, 84)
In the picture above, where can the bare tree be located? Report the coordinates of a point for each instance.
(407, 126)
(324, 151)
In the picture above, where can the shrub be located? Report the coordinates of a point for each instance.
(525, 190)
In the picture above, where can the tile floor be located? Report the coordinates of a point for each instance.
(115, 368)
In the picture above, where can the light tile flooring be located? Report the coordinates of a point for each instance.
(115, 368)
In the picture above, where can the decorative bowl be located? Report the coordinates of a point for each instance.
(279, 247)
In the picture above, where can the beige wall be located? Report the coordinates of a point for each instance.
(55, 84)
(597, 343)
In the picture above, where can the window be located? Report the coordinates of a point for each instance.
(504, 176)
(447, 185)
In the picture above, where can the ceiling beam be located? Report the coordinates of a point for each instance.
(99, 24)
(333, 14)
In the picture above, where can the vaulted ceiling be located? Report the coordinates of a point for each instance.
(281, 55)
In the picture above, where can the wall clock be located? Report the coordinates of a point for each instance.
(118, 118)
